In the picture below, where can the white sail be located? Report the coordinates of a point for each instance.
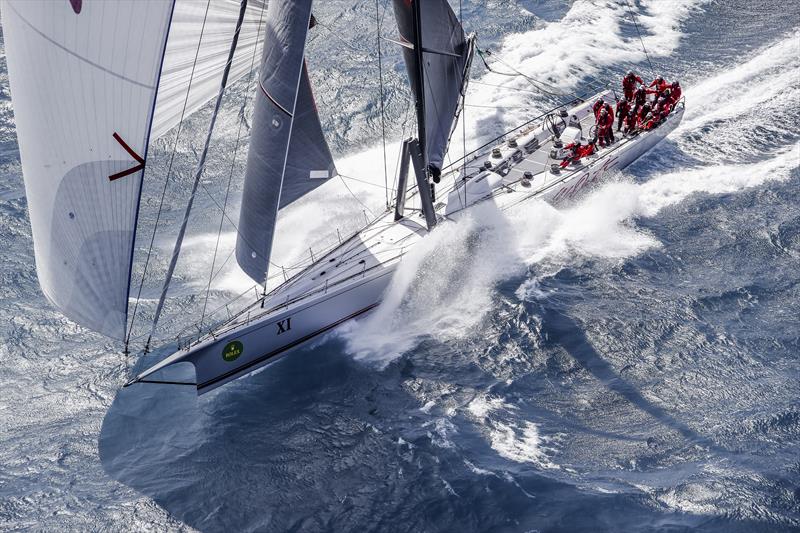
(211, 49)
(83, 78)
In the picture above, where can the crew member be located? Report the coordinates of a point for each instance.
(629, 83)
(598, 105)
(622, 111)
(639, 98)
(643, 112)
(675, 92)
(659, 84)
(578, 151)
(605, 128)
(630, 122)
(573, 149)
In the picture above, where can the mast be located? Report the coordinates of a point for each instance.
(198, 173)
(420, 79)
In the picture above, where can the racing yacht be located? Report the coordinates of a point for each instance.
(84, 170)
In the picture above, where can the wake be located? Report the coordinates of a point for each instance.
(445, 287)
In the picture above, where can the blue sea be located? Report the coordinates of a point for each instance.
(627, 363)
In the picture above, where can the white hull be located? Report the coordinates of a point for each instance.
(351, 279)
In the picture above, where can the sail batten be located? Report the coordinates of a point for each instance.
(83, 106)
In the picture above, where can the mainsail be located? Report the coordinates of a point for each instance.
(288, 155)
(83, 105)
(445, 57)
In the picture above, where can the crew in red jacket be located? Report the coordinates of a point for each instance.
(622, 111)
(643, 112)
(578, 151)
(629, 83)
(661, 110)
(598, 105)
(572, 151)
(639, 98)
(649, 122)
(605, 127)
(630, 122)
(659, 84)
(675, 93)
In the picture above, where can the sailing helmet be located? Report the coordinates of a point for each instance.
(676, 83)
(630, 74)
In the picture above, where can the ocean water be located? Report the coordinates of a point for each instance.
(629, 363)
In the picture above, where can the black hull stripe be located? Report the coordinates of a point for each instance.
(282, 349)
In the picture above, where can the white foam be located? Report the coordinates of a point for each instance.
(517, 440)
(442, 288)
(564, 53)
(741, 98)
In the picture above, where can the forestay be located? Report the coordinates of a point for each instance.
(446, 55)
(288, 155)
(83, 105)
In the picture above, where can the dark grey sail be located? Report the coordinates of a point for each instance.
(310, 162)
(445, 54)
(288, 155)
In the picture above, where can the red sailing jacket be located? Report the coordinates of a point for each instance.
(629, 82)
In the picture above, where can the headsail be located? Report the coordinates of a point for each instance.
(83, 105)
(288, 155)
(446, 54)
(309, 162)
(211, 49)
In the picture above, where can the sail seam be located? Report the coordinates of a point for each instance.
(271, 99)
(77, 55)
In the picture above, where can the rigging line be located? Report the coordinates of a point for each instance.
(463, 112)
(383, 118)
(229, 219)
(636, 25)
(365, 182)
(233, 165)
(356, 197)
(334, 34)
(552, 92)
(504, 87)
(166, 180)
(498, 106)
(198, 173)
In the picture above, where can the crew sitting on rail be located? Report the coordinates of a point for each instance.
(643, 112)
(675, 93)
(629, 83)
(630, 123)
(577, 151)
(649, 122)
